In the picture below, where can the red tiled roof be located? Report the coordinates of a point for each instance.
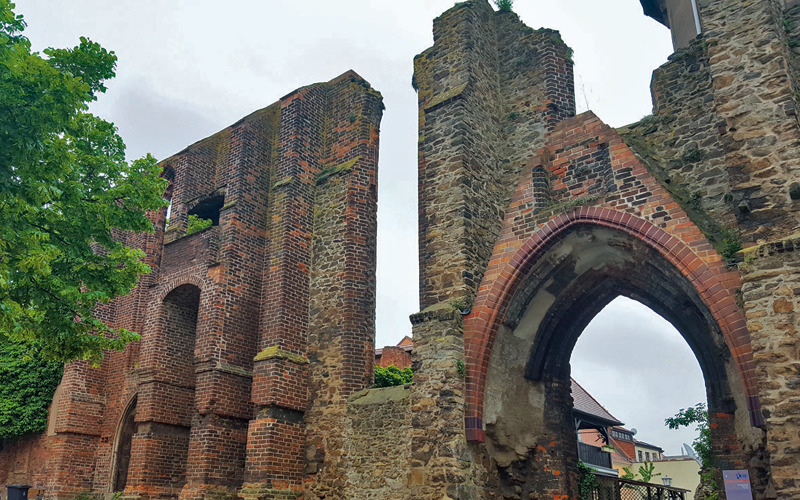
(585, 403)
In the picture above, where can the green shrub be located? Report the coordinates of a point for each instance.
(27, 385)
(391, 376)
(197, 224)
(587, 480)
(504, 5)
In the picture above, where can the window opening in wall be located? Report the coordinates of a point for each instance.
(169, 174)
(127, 428)
(209, 209)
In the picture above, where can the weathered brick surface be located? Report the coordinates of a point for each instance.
(394, 356)
(258, 332)
(587, 218)
(488, 91)
(219, 382)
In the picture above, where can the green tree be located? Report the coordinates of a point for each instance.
(698, 414)
(65, 191)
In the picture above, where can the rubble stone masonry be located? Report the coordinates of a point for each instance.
(252, 379)
(240, 322)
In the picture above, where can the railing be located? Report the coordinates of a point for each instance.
(592, 455)
(613, 488)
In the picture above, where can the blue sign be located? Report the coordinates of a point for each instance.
(737, 484)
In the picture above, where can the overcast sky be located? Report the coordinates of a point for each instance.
(187, 69)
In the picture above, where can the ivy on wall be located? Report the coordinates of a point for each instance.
(27, 385)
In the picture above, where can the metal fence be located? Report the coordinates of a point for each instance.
(614, 488)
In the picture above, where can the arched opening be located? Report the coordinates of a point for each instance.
(526, 409)
(632, 364)
(166, 400)
(122, 449)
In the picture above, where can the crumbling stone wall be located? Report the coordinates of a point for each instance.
(379, 450)
(220, 379)
(530, 221)
(713, 170)
(488, 90)
(680, 142)
(771, 297)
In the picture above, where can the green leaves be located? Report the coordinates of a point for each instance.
(67, 196)
(28, 384)
(697, 414)
(392, 375)
(197, 224)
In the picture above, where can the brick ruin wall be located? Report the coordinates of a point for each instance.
(716, 162)
(241, 323)
(509, 180)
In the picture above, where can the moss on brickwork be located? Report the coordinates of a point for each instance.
(328, 172)
(690, 201)
(276, 352)
(446, 96)
(380, 395)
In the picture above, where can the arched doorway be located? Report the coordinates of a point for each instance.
(518, 386)
(122, 448)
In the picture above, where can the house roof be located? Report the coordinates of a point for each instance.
(648, 445)
(406, 344)
(586, 405)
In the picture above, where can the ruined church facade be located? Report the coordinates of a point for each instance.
(252, 377)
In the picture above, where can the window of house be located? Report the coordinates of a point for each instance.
(640, 455)
(647, 456)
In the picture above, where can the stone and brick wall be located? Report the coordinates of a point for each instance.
(219, 384)
(488, 91)
(379, 437)
(713, 166)
(258, 331)
(771, 296)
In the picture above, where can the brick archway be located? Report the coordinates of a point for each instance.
(711, 280)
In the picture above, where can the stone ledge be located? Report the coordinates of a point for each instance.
(380, 395)
(276, 352)
(443, 311)
(329, 172)
(789, 244)
(446, 97)
(226, 368)
(259, 492)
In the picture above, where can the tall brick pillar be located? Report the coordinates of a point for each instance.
(489, 90)
(78, 412)
(276, 436)
(319, 281)
(342, 283)
(224, 358)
